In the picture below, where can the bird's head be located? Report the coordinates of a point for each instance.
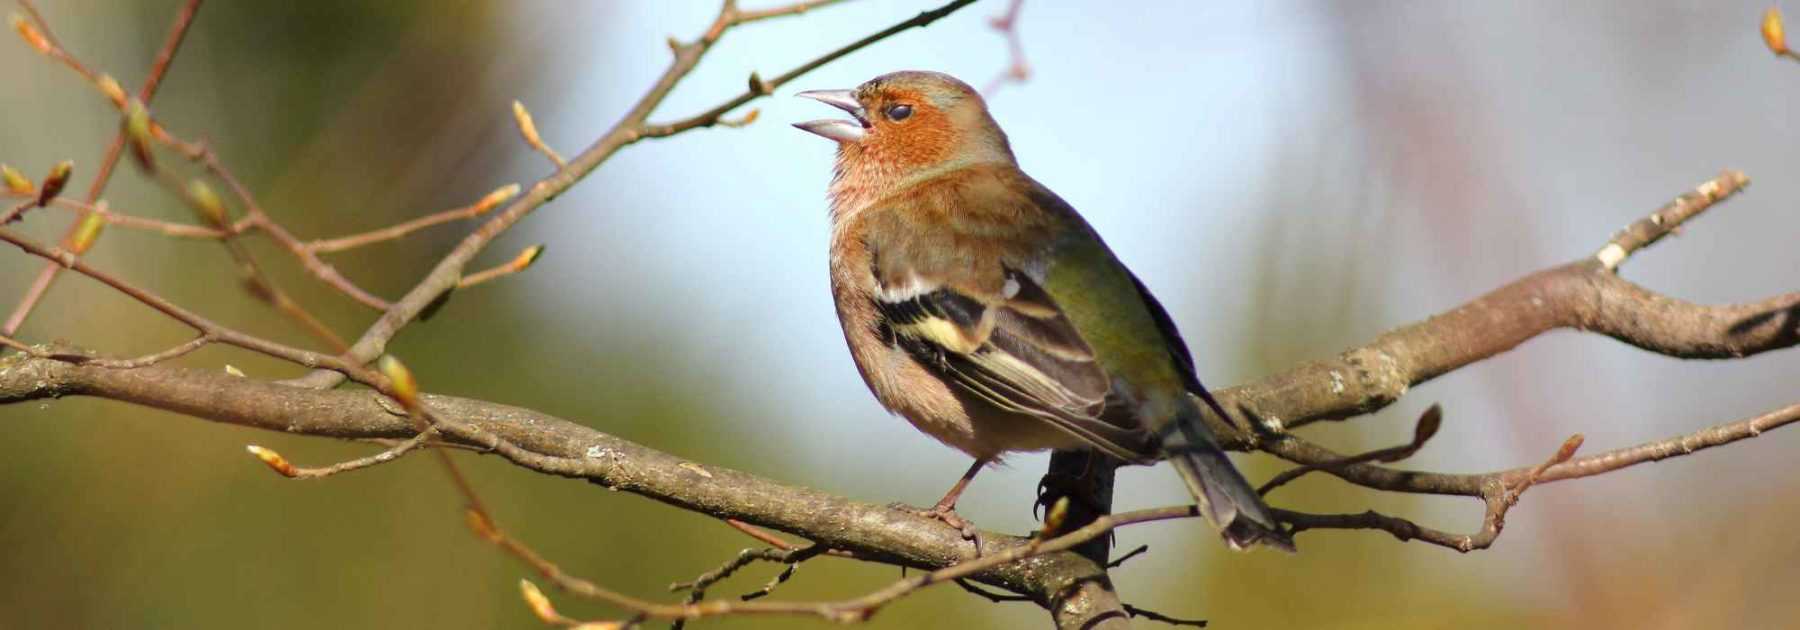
(907, 127)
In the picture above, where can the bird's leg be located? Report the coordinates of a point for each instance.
(945, 510)
(1079, 488)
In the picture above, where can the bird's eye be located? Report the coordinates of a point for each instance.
(898, 112)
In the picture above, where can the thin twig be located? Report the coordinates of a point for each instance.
(1667, 219)
(1017, 70)
(761, 534)
(1496, 494)
(855, 609)
(760, 87)
(697, 587)
(392, 232)
(1120, 561)
(159, 226)
(1422, 431)
(745, 17)
(154, 358)
(519, 263)
(200, 324)
(998, 598)
(280, 464)
(1156, 616)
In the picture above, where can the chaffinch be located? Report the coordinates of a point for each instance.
(983, 309)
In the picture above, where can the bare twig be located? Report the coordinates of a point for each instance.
(1498, 491)
(200, 324)
(760, 87)
(1156, 616)
(1648, 230)
(1017, 70)
(697, 587)
(761, 534)
(747, 16)
(308, 258)
(519, 263)
(159, 226)
(281, 465)
(1423, 431)
(790, 557)
(998, 598)
(483, 206)
(155, 358)
(864, 607)
(1120, 561)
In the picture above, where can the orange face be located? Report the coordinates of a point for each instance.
(909, 121)
(906, 130)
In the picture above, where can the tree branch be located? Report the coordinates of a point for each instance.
(555, 446)
(1584, 295)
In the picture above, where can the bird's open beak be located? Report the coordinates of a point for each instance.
(837, 129)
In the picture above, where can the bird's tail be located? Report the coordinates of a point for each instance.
(1225, 497)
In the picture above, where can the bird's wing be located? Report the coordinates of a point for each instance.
(1014, 349)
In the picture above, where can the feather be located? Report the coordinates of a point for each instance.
(1013, 349)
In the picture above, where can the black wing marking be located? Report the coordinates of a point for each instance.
(1017, 352)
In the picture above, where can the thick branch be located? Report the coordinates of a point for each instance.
(559, 447)
(1583, 295)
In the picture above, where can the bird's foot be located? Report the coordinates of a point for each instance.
(947, 514)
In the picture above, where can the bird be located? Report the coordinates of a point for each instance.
(983, 309)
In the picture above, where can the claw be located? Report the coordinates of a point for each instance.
(948, 516)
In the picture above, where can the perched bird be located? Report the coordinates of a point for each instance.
(982, 308)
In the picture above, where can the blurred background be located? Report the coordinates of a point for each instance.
(1291, 178)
